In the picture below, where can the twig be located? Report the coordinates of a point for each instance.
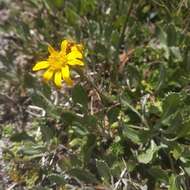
(12, 186)
(32, 108)
(120, 179)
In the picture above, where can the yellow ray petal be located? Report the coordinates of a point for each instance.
(78, 47)
(40, 65)
(66, 75)
(48, 74)
(51, 49)
(57, 79)
(64, 45)
(75, 62)
(74, 55)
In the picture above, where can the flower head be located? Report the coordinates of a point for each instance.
(59, 63)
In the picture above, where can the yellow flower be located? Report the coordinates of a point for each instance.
(59, 62)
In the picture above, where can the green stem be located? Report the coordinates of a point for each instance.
(122, 35)
(143, 120)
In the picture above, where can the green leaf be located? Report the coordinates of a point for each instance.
(162, 77)
(75, 142)
(31, 149)
(83, 175)
(79, 129)
(184, 130)
(48, 132)
(171, 104)
(68, 117)
(113, 114)
(147, 155)
(22, 136)
(29, 81)
(72, 16)
(171, 35)
(134, 75)
(158, 174)
(103, 170)
(132, 134)
(186, 61)
(34, 3)
(40, 99)
(162, 35)
(59, 3)
(23, 30)
(173, 183)
(176, 52)
(54, 4)
(90, 122)
(187, 169)
(41, 188)
(88, 148)
(177, 151)
(79, 95)
(56, 178)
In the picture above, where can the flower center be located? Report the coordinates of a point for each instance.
(57, 61)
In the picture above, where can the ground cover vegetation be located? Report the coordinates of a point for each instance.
(112, 110)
